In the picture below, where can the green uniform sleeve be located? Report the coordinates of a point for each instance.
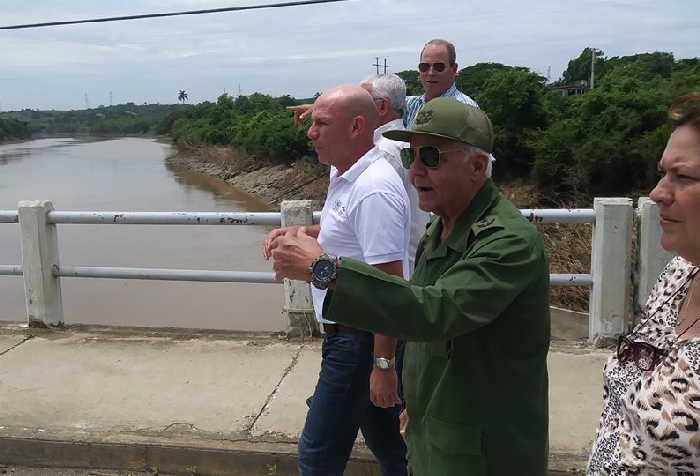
(470, 294)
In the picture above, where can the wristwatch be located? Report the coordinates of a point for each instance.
(323, 270)
(383, 363)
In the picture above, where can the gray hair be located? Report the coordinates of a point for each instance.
(470, 151)
(451, 54)
(390, 87)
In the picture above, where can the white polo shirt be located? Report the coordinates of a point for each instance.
(392, 152)
(365, 217)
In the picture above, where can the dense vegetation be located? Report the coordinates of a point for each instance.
(120, 119)
(256, 123)
(13, 129)
(604, 142)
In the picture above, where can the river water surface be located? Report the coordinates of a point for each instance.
(131, 174)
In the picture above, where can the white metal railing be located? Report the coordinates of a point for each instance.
(559, 215)
(610, 255)
(156, 218)
(10, 270)
(8, 216)
(165, 274)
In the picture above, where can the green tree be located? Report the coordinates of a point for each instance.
(579, 69)
(412, 80)
(182, 96)
(608, 140)
(471, 79)
(513, 99)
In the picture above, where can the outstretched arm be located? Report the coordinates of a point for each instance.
(301, 112)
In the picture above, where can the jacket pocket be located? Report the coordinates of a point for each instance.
(452, 438)
(456, 449)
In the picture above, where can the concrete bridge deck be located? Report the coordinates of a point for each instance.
(211, 403)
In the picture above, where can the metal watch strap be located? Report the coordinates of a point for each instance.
(315, 280)
(385, 363)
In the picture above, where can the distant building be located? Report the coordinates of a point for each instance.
(573, 89)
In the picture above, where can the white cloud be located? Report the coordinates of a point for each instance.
(301, 50)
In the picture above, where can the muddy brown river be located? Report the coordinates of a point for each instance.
(131, 174)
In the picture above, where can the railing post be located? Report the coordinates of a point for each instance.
(42, 289)
(611, 257)
(297, 294)
(652, 257)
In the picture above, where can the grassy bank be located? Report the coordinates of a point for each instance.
(12, 130)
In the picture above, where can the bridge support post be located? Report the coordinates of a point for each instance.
(42, 288)
(652, 257)
(611, 265)
(297, 294)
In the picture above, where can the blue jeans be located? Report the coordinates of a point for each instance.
(340, 406)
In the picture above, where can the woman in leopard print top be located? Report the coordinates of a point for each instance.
(651, 409)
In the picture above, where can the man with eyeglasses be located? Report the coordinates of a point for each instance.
(475, 312)
(438, 70)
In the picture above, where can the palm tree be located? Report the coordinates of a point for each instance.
(182, 95)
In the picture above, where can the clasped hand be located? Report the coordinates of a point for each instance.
(292, 251)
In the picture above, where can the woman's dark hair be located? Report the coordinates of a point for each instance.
(685, 110)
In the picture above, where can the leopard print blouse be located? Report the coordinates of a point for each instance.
(649, 423)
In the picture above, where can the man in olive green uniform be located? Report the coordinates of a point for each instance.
(475, 313)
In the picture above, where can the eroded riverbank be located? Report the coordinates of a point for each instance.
(272, 181)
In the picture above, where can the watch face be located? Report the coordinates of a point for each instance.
(324, 269)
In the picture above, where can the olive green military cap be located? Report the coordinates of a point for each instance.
(451, 119)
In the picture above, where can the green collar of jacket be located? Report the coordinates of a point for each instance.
(480, 204)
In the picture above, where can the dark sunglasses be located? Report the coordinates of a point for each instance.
(429, 155)
(644, 355)
(439, 67)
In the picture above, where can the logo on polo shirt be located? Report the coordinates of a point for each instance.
(339, 208)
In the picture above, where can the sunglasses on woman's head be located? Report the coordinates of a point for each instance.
(429, 156)
(439, 67)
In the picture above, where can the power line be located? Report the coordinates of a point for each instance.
(172, 14)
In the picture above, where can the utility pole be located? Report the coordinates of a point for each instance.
(592, 68)
(377, 64)
(384, 65)
(110, 99)
(87, 102)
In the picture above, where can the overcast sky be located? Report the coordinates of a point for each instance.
(305, 49)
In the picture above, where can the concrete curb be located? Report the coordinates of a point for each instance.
(240, 459)
(243, 459)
